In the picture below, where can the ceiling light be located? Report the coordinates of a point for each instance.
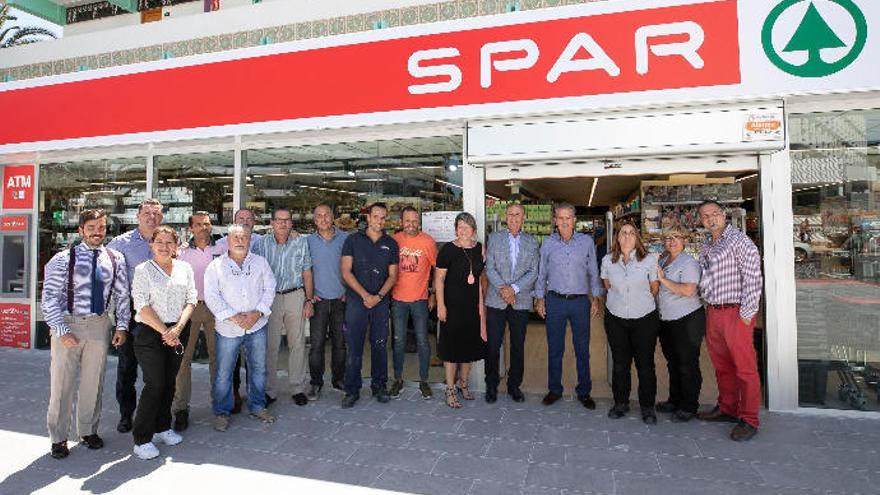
(593, 191)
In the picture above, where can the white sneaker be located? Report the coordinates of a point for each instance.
(168, 437)
(146, 451)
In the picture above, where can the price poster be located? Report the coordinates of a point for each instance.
(15, 325)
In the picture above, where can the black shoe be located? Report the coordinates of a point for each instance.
(349, 400)
(666, 407)
(682, 416)
(716, 416)
(396, 389)
(618, 411)
(299, 399)
(236, 403)
(587, 401)
(648, 416)
(380, 394)
(516, 395)
(743, 432)
(93, 441)
(59, 450)
(550, 398)
(124, 425)
(181, 420)
(491, 396)
(338, 385)
(270, 400)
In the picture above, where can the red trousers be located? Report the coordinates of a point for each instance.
(731, 348)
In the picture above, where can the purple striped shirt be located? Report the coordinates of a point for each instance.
(731, 271)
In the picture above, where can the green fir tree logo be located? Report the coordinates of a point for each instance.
(812, 35)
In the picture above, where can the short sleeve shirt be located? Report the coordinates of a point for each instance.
(630, 293)
(417, 255)
(684, 269)
(370, 261)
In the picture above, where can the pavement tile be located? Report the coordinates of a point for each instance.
(660, 444)
(402, 481)
(641, 484)
(859, 441)
(835, 480)
(612, 459)
(547, 454)
(371, 435)
(337, 473)
(572, 436)
(531, 418)
(418, 461)
(307, 427)
(509, 449)
(713, 469)
(482, 487)
(414, 422)
(756, 450)
(570, 477)
(318, 448)
(498, 429)
(450, 443)
(503, 470)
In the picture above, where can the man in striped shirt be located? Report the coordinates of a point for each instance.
(731, 287)
(77, 291)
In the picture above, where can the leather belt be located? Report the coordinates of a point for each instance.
(723, 306)
(565, 296)
(288, 291)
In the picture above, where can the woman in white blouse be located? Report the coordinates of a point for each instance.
(163, 291)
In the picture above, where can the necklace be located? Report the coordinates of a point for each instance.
(470, 278)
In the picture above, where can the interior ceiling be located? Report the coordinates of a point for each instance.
(609, 191)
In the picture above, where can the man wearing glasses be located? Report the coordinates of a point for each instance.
(287, 253)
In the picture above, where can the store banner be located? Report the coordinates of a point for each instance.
(18, 187)
(607, 54)
(15, 325)
(13, 223)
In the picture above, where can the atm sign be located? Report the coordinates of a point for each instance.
(18, 187)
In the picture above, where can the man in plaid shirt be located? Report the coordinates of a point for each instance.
(731, 287)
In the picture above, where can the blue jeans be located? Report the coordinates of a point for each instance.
(400, 312)
(358, 320)
(226, 352)
(559, 312)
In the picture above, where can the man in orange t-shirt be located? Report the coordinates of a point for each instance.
(409, 297)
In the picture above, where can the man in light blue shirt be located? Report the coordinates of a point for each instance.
(325, 246)
(287, 253)
(135, 246)
(567, 280)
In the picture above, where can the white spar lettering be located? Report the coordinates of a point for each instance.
(566, 62)
(686, 49)
(19, 181)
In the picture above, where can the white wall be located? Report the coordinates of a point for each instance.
(187, 21)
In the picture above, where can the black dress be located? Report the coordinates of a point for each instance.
(459, 340)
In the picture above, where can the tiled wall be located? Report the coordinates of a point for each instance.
(442, 11)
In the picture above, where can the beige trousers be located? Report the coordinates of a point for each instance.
(201, 319)
(88, 360)
(287, 313)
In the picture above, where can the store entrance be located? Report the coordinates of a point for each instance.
(650, 201)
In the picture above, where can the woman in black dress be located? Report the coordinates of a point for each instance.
(458, 282)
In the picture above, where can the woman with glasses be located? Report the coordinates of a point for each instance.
(629, 274)
(682, 325)
(163, 291)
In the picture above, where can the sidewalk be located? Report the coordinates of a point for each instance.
(416, 446)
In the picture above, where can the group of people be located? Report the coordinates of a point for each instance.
(245, 290)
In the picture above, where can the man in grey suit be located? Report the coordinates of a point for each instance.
(512, 268)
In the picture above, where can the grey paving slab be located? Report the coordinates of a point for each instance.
(372, 435)
(547, 454)
(710, 469)
(503, 470)
(759, 449)
(510, 449)
(640, 484)
(839, 458)
(572, 436)
(318, 448)
(498, 429)
(571, 478)
(449, 443)
(493, 488)
(402, 481)
(420, 422)
(419, 461)
(612, 459)
(835, 480)
(337, 473)
(306, 427)
(660, 444)
(355, 415)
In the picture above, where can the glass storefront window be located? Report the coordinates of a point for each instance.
(196, 182)
(836, 235)
(66, 189)
(422, 172)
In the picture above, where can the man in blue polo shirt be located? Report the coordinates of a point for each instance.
(369, 268)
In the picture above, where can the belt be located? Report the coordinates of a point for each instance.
(565, 296)
(288, 291)
(723, 306)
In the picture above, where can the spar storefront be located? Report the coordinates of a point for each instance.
(784, 94)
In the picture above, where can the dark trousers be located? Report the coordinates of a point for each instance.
(561, 311)
(680, 340)
(633, 340)
(159, 364)
(327, 321)
(358, 321)
(126, 375)
(496, 321)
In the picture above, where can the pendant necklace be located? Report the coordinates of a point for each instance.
(470, 278)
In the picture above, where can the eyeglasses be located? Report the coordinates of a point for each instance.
(672, 238)
(283, 220)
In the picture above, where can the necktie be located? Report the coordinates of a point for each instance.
(97, 285)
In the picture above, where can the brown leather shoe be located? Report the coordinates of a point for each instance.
(716, 416)
(743, 432)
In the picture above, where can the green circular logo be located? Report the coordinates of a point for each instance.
(812, 35)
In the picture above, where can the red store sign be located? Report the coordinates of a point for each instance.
(15, 325)
(666, 47)
(18, 185)
(13, 224)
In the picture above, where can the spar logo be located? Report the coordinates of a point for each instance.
(814, 38)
